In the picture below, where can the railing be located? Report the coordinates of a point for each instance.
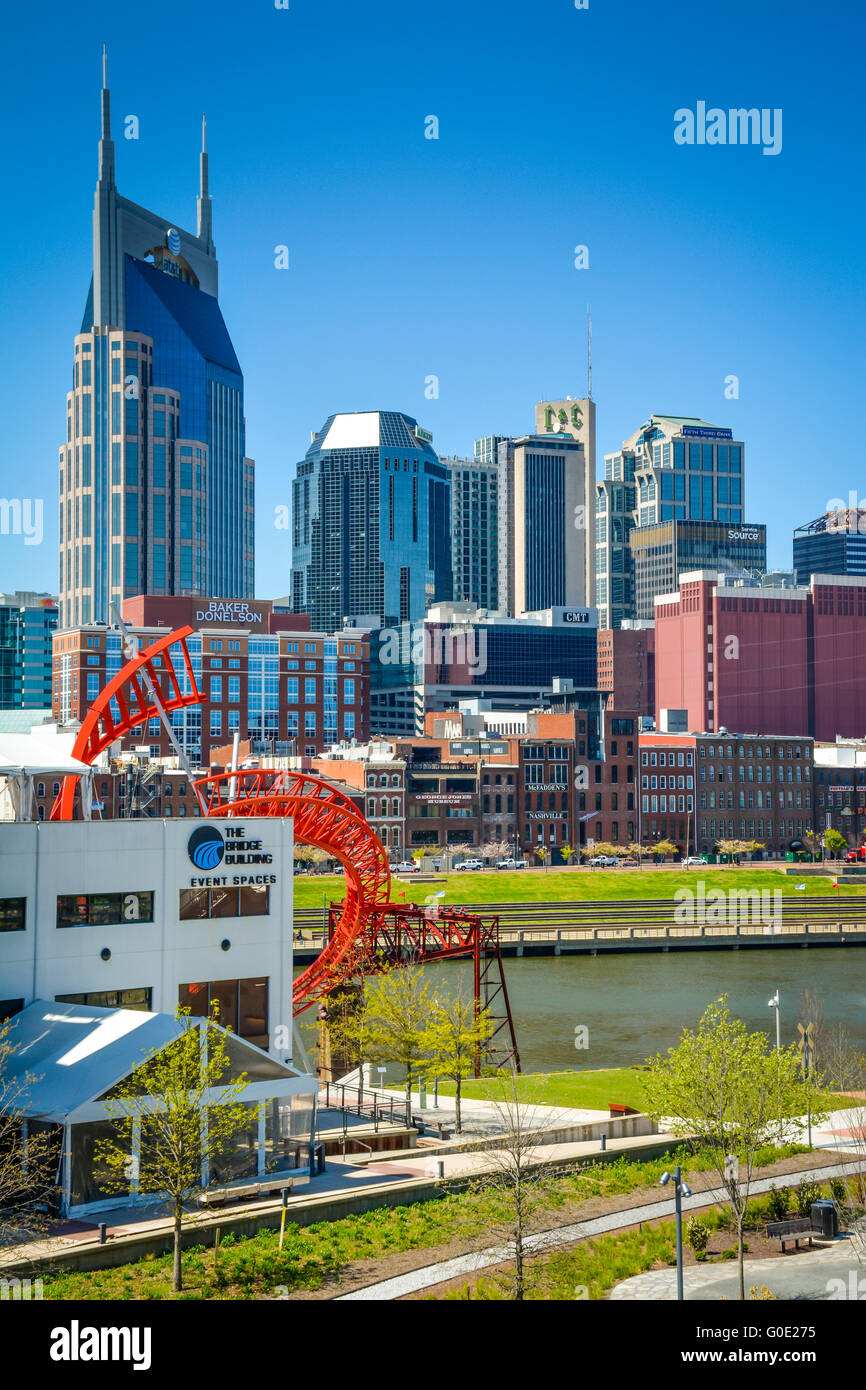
(355, 1100)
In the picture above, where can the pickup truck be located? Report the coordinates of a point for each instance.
(469, 864)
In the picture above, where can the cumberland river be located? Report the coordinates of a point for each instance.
(635, 1005)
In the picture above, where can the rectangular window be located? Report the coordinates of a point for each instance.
(309, 690)
(202, 904)
(12, 914)
(103, 909)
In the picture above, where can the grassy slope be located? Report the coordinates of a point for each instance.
(572, 885)
(591, 1090)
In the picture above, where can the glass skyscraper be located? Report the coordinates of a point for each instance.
(156, 493)
(372, 522)
(674, 468)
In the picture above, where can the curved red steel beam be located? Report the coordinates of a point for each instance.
(136, 705)
(322, 815)
(327, 819)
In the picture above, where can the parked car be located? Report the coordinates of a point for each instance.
(469, 864)
(628, 864)
(511, 864)
(693, 859)
(604, 861)
(407, 866)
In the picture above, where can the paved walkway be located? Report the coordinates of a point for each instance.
(832, 1273)
(430, 1275)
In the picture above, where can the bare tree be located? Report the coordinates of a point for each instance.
(523, 1184)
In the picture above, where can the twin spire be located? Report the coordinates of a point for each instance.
(106, 159)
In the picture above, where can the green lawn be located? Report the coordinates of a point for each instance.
(572, 885)
(579, 1090)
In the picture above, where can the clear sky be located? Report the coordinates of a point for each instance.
(454, 257)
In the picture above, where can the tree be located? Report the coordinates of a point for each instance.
(495, 849)
(727, 1087)
(834, 842)
(566, 852)
(814, 841)
(663, 848)
(183, 1128)
(454, 1041)
(522, 1186)
(391, 1022)
(540, 852)
(638, 852)
(418, 854)
(28, 1165)
(734, 848)
(601, 847)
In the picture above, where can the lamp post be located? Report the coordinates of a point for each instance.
(776, 1003)
(681, 1189)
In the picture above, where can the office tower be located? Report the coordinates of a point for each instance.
(372, 522)
(577, 418)
(664, 550)
(834, 544)
(27, 621)
(674, 468)
(475, 530)
(156, 494)
(542, 523)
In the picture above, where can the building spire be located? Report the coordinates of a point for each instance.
(106, 144)
(203, 202)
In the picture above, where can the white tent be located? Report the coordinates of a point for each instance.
(26, 758)
(65, 1060)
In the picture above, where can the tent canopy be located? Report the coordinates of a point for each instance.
(64, 1057)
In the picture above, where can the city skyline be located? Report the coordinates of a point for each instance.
(764, 289)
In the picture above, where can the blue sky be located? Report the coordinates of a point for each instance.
(411, 257)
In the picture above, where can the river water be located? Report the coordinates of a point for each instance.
(635, 1005)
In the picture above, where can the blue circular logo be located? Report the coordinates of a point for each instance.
(173, 241)
(205, 847)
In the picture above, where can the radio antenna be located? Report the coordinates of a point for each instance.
(588, 353)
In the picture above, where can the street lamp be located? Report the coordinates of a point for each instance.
(681, 1189)
(775, 1003)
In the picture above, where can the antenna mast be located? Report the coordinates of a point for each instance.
(588, 353)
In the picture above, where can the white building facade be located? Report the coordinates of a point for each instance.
(152, 913)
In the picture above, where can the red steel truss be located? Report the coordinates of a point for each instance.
(368, 932)
(402, 934)
(135, 705)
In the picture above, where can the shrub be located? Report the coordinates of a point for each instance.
(778, 1202)
(807, 1193)
(697, 1235)
(838, 1191)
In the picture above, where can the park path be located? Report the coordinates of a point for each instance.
(415, 1280)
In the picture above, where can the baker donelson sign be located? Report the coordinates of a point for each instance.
(228, 611)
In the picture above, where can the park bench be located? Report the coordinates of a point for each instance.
(790, 1230)
(217, 1196)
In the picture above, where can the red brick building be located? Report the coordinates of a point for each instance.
(698, 789)
(764, 660)
(626, 668)
(288, 690)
